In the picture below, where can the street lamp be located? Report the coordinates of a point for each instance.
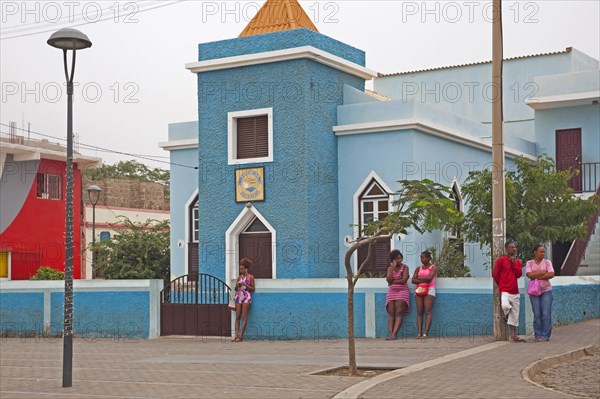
(94, 196)
(69, 39)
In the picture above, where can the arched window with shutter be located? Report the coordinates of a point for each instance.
(374, 203)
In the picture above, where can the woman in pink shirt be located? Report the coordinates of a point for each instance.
(542, 270)
(425, 274)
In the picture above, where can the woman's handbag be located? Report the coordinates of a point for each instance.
(534, 288)
(231, 305)
(422, 289)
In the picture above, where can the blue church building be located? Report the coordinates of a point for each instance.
(293, 154)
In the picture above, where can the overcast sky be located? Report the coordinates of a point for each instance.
(132, 83)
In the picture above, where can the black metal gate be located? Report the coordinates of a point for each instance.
(195, 304)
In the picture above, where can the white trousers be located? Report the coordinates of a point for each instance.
(510, 306)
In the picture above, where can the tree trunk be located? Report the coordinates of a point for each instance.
(352, 370)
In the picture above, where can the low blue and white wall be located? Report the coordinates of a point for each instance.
(119, 309)
(316, 309)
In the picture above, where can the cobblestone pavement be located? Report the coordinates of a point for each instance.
(215, 368)
(579, 377)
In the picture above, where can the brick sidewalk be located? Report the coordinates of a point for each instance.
(214, 368)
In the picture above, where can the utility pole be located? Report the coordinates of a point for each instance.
(498, 194)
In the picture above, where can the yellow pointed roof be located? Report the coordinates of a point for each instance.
(276, 16)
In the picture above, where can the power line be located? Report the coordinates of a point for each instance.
(101, 149)
(69, 18)
(86, 23)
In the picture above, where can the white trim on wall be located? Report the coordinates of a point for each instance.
(178, 144)
(232, 241)
(563, 100)
(406, 124)
(309, 52)
(232, 135)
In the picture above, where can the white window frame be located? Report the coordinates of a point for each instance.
(46, 191)
(187, 221)
(232, 251)
(232, 118)
(356, 203)
(453, 234)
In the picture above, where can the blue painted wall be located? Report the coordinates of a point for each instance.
(467, 90)
(575, 303)
(303, 316)
(279, 41)
(300, 183)
(586, 117)
(104, 314)
(184, 180)
(21, 312)
(119, 309)
(406, 154)
(316, 311)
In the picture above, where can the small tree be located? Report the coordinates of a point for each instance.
(540, 206)
(419, 206)
(137, 251)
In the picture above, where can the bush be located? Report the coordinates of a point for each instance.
(47, 273)
(450, 262)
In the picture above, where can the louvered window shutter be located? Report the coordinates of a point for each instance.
(379, 263)
(253, 137)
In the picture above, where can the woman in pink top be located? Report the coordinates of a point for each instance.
(244, 288)
(397, 300)
(541, 269)
(425, 274)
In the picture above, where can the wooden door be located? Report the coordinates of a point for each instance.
(568, 155)
(258, 248)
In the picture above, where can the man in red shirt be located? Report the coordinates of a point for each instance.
(507, 270)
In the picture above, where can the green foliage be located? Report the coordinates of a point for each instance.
(420, 205)
(136, 251)
(540, 206)
(129, 170)
(450, 262)
(47, 273)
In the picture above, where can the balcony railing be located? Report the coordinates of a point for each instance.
(578, 247)
(590, 176)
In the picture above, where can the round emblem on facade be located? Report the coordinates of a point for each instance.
(250, 185)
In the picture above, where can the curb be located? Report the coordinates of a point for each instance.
(354, 391)
(537, 367)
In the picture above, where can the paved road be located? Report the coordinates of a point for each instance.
(213, 368)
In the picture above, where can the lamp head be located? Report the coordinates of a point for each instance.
(95, 191)
(69, 39)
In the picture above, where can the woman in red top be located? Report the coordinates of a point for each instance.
(425, 274)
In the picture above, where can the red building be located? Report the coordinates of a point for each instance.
(33, 207)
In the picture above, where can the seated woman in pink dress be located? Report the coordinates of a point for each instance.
(243, 298)
(397, 300)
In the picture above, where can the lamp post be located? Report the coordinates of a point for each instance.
(69, 39)
(94, 196)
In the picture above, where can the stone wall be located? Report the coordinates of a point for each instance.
(129, 193)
